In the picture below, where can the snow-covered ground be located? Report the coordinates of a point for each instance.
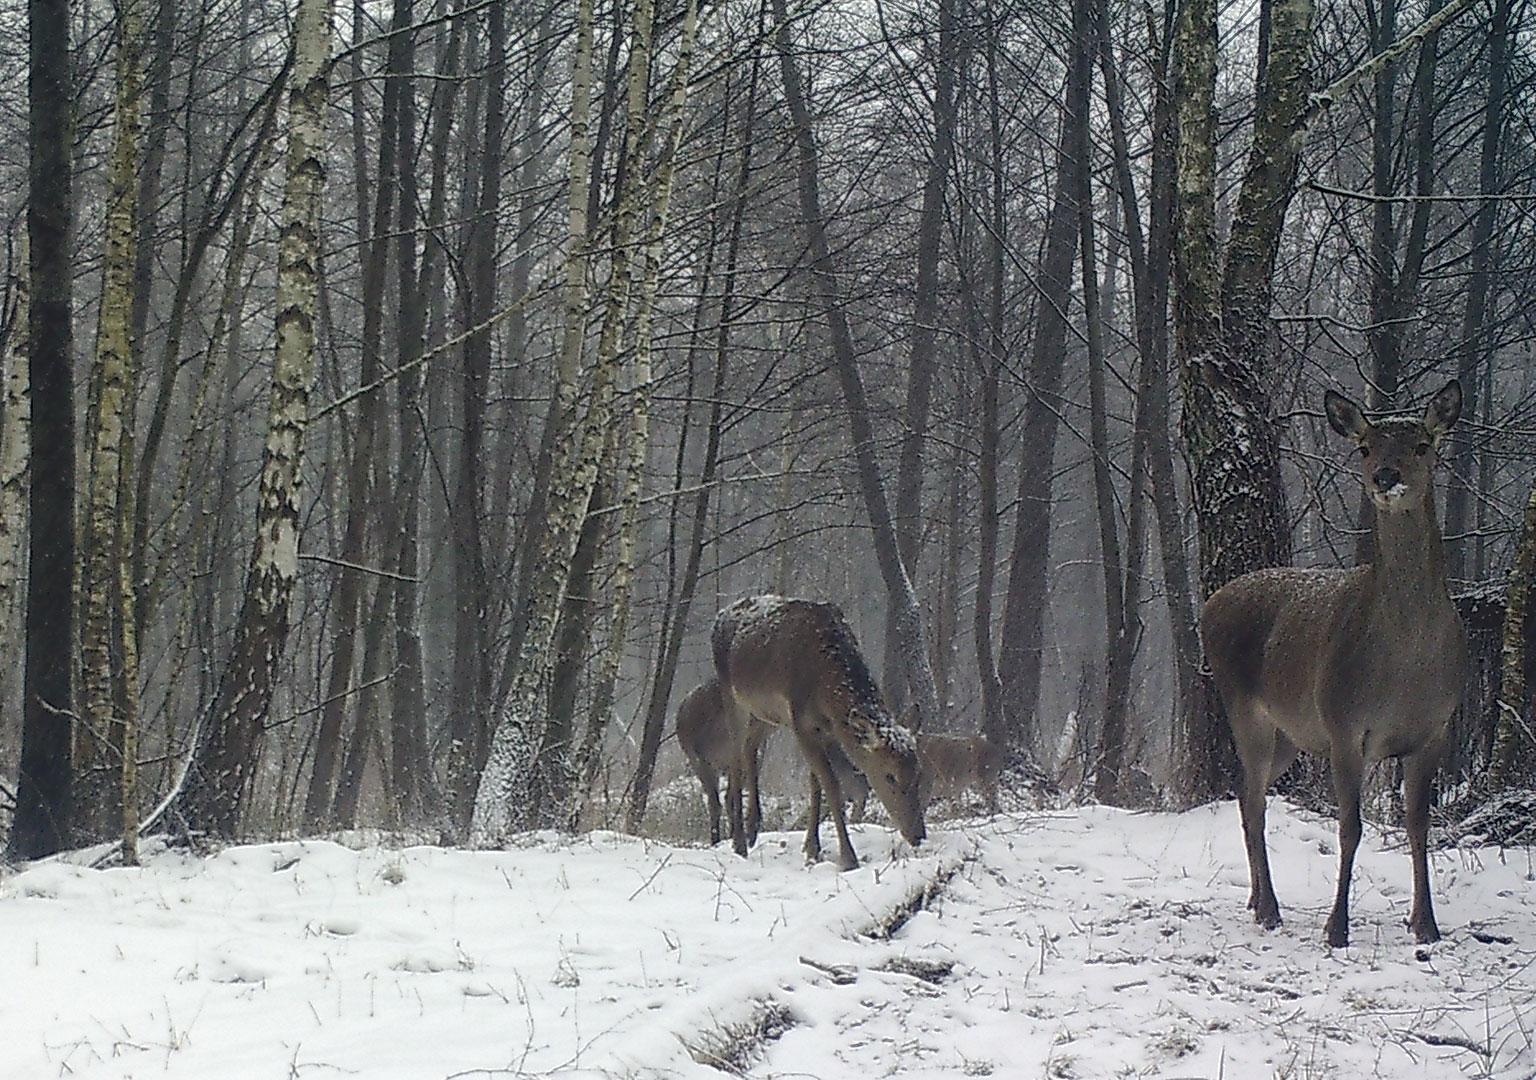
(1089, 943)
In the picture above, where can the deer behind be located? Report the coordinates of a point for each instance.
(951, 764)
(1355, 665)
(720, 740)
(796, 664)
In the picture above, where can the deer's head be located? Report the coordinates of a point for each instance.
(1397, 453)
(890, 764)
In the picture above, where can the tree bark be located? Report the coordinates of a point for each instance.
(15, 447)
(42, 818)
(364, 489)
(105, 766)
(470, 668)
(1020, 653)
(1514, 755)
(677, 624)
(1474, 345)
(410, 767)
(504, 788)
(215, 791)
(925, 319)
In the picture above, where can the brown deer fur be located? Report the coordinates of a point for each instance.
(719, 740)
(796, 664)
(951, 764)
(1357, 665)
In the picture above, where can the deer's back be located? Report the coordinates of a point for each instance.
(779, 655)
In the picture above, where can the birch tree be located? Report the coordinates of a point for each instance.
(106, 748)
(224, 755)
(505, 786)
(15, 445)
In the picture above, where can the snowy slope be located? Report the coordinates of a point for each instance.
(1093, 943)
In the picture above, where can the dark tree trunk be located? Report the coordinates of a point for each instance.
(410, 768)
(925, 318)
(1474, 345)
(470, 668)
(42, 819)
(1021, 651)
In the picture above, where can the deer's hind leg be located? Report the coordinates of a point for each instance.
(733, 808)
(709, 780)
(1260, 748)
(1418, 773)
(752, 760)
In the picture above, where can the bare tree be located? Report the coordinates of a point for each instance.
(224, 756)
(42, 819)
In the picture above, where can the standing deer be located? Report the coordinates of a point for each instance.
(1358, 665)
(795, 663)
(719, 739)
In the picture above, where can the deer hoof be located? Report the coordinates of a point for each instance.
(1337, 934)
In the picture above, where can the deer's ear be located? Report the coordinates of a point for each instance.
(1344, 416)
(1443, 409)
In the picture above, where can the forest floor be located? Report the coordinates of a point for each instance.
(1085, 943)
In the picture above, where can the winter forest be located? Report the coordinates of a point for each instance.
(393, 392)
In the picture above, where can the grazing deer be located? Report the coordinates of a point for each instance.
(795, 663)
(951, 764)
(1357, 665)
(718, 739)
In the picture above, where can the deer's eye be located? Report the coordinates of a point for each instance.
(1421, 449)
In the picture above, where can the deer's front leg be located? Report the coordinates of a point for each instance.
(1348, 767)
(1418, 773)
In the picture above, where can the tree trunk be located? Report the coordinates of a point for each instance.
(41, 822)
(105, 762)
(1514, 756)
(925, 319)
(225, 757)
(677, 625)
(1474, 345)
(15, 448)
(822, 272)
(410, 767)
(363, 488)
(994, 720)
(1020, 654)
(470, 631)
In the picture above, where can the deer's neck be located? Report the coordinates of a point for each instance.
(1409, 569)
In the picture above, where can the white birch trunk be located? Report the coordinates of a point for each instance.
(107, 631)
(15, 447)
(640, 405)
(216, 791)
(500, 802)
